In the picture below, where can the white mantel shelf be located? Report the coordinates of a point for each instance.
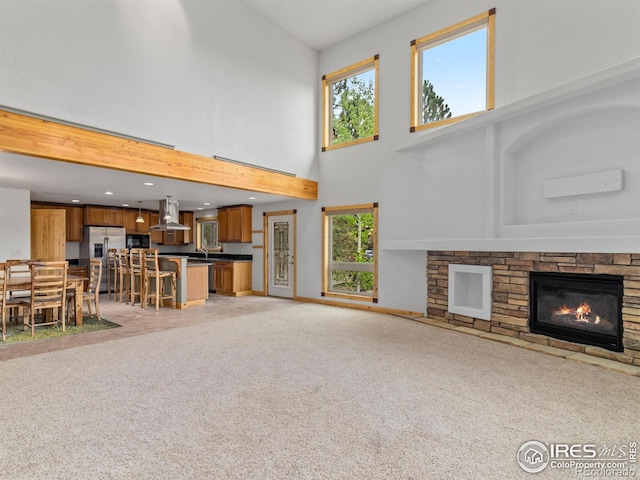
(504, 230)
(610, 77)
(623, 244)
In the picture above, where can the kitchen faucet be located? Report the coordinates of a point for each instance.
(205, 251)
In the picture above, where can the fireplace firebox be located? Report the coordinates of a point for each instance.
(579, 308)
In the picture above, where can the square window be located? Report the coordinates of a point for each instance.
(207, 234)
(452, 72)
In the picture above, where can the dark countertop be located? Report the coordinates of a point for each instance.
(212, 256)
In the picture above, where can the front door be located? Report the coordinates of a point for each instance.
(280, 264)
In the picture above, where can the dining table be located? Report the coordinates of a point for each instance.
(20, 283)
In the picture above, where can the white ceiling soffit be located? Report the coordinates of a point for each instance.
(322, 23)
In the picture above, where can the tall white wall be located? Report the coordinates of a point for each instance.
(210, 77)
(441, 191)
(15, 224)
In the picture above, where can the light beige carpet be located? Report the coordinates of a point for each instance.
(300, 391)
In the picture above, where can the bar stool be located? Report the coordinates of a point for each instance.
(155, 277)
(124, 273)
(112, 273)
(136, 275)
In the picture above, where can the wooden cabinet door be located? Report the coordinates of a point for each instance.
(218, 277)
(170, 237)
(130, 220)
(223, 225)
(130, 217)
(75, 224)
(113, 217)
(227, 278)
(48, 234)
(93, 216)
(235, 224)
(223, 277)
(144, 227)
(187, 219)
(241, 277)
(155, 235)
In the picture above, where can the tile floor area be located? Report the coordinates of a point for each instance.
(137, 321)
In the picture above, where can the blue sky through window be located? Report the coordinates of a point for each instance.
(458, 71)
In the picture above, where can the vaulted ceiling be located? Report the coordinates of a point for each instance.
(317, 23)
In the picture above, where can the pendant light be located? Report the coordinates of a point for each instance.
(140, 219)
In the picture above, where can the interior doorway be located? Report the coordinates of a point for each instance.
(281, 249)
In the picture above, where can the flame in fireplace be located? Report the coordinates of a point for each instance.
(582, 312)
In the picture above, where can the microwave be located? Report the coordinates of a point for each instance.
(138, 240)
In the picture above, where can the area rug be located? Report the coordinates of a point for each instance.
(17, 334)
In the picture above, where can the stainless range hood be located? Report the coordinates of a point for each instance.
(169, 216)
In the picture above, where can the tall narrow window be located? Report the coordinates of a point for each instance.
(281, 253)
(350, 105)
(452, 73)
(350, 252)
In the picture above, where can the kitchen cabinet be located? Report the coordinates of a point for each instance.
(48, 234)
(100, 216)
(74, 218)
(232, 278)
(75, 224)
(186, 218)
(156, 235)
(174, 237)
(234, 224)
(132, 226)
(197, 283)
(171, 237)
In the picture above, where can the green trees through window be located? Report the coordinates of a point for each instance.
(351, 242)
(350, 245)
(350, 105)
(433, 106)
(353, 108)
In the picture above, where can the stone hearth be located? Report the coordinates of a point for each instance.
(510, 293)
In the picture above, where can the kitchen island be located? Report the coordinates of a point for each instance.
(229, 273)
(192, 279)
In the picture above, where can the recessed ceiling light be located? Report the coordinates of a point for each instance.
(108, 193)
(200, 208)
(206, 203)
(252, 198)
(148, 184)
(125, 204)
(75, 201)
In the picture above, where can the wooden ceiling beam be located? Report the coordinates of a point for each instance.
(35, 137)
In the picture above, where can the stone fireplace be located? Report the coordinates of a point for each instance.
(606, 322)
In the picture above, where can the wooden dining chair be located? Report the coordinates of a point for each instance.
(155, 285)
(48, 291)
(92, 294)
(18, 268)
(4, 277)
